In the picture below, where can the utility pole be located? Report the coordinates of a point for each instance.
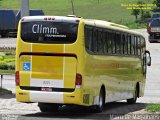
(24, 8)
(72, 7)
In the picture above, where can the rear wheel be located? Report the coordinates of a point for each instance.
(48, 107)
(101, 102)
(134, 99)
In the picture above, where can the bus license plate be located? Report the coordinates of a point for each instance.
(47, 89)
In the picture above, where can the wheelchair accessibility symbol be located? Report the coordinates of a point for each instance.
(26, 66)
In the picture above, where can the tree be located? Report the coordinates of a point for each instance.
(141, 7)
(157, 2)
(135, 12)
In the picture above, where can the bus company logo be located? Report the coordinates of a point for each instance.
(40, 29)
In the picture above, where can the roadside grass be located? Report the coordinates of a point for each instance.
(110, 10)
(134, 25)
(7, 62)
(153, 107)
(7, 71)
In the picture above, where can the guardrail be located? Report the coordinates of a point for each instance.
(2, 74)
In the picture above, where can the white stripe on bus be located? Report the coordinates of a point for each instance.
(37, 82)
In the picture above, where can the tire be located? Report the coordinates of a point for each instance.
(48, 107)
(99, 108)
(134, 99)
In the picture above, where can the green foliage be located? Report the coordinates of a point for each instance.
(2, 55)
(153, 107)
(11, 65)
(157, 2)
(136, 25)
(145, 16)
(3, 66)
(7, 71)
(135, 12)
(7, 62)
(7, 66)
(110, 10)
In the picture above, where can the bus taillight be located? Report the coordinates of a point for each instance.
(77, 21)
(78, 80)
(49, 18)
(17, 78)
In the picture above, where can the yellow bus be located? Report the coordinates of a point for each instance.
(74, 61)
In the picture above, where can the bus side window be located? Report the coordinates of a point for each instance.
(88, 38)
(124, 44)
(104, 42)
(136, 45)
(100, 42)
(121, 43)
(94, 40)
(129, 44)
(143, 44)
(118, 43)
(106, 37)
(113, 42)
(139, 45)
(109, 42)
(132, 45)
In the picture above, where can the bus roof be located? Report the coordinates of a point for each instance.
(74, 19)
(109, 25)
(50, 18)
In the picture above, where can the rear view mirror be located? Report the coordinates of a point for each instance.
(149, 61)
(148, 58)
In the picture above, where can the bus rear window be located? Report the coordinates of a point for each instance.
(49, 32)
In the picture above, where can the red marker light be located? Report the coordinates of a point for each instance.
(17, 78)
(78, 82)
(49, 18)
(77, 21)
(22, 19)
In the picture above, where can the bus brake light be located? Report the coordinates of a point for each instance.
(17, 78)
(77, 21)
(49, 18)
(78, 80)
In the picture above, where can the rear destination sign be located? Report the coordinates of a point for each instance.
(49, 31)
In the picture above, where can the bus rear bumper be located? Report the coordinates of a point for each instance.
(75, 97)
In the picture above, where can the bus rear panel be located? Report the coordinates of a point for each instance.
(47, 60)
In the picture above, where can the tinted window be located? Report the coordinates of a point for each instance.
(155, 22)
(100, 48)
(49, 32)
(105, 41)
(155, 16)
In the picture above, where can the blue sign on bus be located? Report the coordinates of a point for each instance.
(26, 66)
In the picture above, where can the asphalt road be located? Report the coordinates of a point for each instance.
(9, 108)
